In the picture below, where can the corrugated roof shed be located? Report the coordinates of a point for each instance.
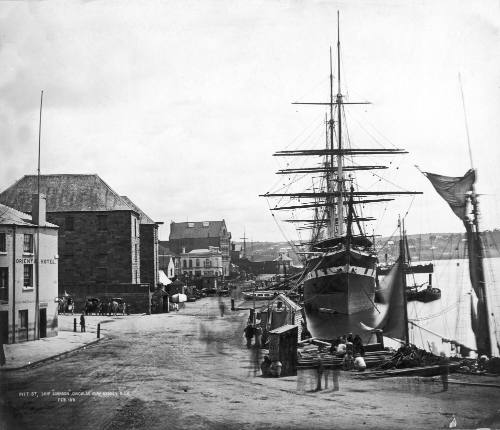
(192, 230)
(11, 216)
(65, 193)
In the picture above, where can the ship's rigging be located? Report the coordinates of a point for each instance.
(337, 193)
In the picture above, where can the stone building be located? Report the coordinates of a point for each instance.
(188, 236)
(148, 245)
(28, 306)
(104, 239)
(202, 263)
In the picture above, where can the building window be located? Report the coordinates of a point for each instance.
(207, 263)
(184, 264)
(4, 283)
(136, 253)
(102, 222)
(70, 223)
(28, 276)
(23, 319)
(190, 263)
(3, 244)
(28, 244)
(197, 262)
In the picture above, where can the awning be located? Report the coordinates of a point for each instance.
(163, 278)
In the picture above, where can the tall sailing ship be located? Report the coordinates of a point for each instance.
(340, 259)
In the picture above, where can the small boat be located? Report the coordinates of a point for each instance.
(260, 295)
(425, 295)
(383, 270)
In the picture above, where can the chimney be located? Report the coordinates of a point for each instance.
(183, 249)
(39, 209)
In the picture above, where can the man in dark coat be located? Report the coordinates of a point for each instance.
(249, 332)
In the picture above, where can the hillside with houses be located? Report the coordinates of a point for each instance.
(422, 247)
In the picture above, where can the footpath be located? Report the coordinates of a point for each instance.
(27, 354)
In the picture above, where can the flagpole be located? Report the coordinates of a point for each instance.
(37, 255)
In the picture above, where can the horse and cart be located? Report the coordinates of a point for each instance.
(113, 306)
(66, 305)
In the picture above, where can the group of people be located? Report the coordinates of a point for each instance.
(351, 349)
(252, 331)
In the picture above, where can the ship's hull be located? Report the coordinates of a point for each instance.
(339, 293)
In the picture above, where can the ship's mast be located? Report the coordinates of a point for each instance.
(340, 173)
(334, 198)
(330, 174)
(478, 246)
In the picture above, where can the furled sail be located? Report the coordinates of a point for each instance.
(454, 190)
(392, 320)
(479, 318)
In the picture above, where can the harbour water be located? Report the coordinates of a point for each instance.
(448, 317)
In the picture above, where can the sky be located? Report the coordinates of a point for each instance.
(180, 104)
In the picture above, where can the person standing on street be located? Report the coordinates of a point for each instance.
(82, 322)
(258, 336)
(249, 332)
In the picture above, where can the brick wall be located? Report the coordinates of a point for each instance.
(149, 254)
(95, 248)
(137, 298)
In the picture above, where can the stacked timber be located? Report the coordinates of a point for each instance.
(312, 352)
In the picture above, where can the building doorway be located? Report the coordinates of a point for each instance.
(43, 323)
(4, 327)
(23, 325)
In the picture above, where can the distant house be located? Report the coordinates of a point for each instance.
(103, 239)
(186, 236)
(168, 261)
(236, 253)
(23, 315)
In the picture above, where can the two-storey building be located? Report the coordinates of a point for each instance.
(188, 236)
(28, 274)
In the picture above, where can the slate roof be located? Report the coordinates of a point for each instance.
(66, 193)
(194, 230)
(144, 219)
(163, 248)
(11, 216)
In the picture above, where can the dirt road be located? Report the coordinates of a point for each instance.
(191, 370)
